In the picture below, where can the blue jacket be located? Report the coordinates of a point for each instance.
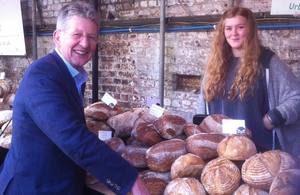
(51, 148)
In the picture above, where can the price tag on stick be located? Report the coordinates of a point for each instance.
(232, 126)
(109, 100)
(156, 110)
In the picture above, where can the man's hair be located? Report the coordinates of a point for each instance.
(78, 8)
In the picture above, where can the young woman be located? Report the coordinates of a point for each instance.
(236, 84)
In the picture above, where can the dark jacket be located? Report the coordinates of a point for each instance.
(51, 148)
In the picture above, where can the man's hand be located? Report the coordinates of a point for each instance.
(139, 188)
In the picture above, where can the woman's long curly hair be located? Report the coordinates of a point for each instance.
(221, 53)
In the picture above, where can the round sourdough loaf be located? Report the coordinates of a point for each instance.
(236, 147)
(260, 169)
(286, 182)
(187, 165)
(220, 176)
(188, 186)
(204, 145)
(245, 189)
(161, 155)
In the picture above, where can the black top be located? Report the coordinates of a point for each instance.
(251, 109)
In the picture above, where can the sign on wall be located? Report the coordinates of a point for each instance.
(286, 7)
(11, 28)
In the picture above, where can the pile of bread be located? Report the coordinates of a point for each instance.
(177, 157)
(6, 100)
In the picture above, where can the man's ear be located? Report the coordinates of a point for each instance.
(56, 37)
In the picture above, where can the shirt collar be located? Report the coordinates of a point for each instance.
(74, 72)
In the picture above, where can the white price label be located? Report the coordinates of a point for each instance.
(2, 75)
(104, 135)
(156, 110)
(109, 100)
(233, 126)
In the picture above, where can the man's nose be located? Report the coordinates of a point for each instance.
(84, 41)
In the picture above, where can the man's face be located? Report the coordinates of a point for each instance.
(77, 41)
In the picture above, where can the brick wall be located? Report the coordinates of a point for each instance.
(129, 62)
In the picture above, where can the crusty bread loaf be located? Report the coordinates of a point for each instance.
(186, 186)
(95, 125)
(191, 129)
(136, 156)
(156, 182)
(213, 124)
(161, 155)
(187, 165)
(101, 111)
(220, 176)
(260, 169)
(245, 189)
(147, 174)
(204, 145)
(286, 182)
(146, 133)
(170, 126)
(123, 123)
(116, 144)
(236, 147)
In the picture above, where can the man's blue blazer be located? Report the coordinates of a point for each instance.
(51, 148)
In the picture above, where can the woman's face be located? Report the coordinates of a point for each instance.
(236, 31)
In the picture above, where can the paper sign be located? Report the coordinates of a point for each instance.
(156, 110)
(2, 75)
(232, 126)
(286, 7)
(12, 40)
(109, 100)
(104, 135)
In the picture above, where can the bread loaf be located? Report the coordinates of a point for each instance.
(236, 147)
(136, 156)
(204, 145)
(116, 144)
(170, 126)
(191, 129)
(213, 124)
(186, 186)
(101, 111)
(123, 123)
(187, 165)
(161, 155)
(260, 169)
(155, 182)
(95, 125)
(220, 176)
(245, 189)
(286, 182)
(146, 133)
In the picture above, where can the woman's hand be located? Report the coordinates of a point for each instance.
(268, 122)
